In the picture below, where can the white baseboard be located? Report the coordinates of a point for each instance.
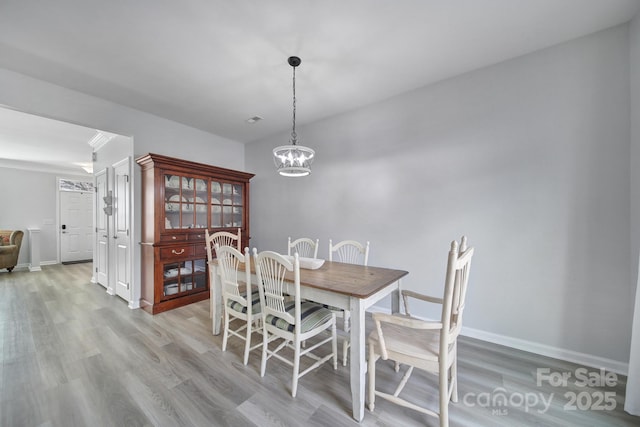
(541, 349)
(549, 351)
(19, 267)
(28, 267)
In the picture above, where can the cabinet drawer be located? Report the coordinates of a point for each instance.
(176, 252)
(199, 237)
(173, 237)
(200, 250)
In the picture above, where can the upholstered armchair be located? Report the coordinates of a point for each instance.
(10, 241)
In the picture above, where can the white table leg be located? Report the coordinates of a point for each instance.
(358, 360)
(215, 293)
(395, 300)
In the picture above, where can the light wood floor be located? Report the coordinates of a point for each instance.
(74, 356)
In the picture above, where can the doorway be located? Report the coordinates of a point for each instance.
(46, 148)
(76, 219)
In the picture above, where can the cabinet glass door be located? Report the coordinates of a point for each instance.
(173, 201)
(227, 205)
(216, 204)
(188, 199)
(200, 202)
(199, 277)
(185, 202)
(237, 208)
(172, 277)
(184, 277)
(227, 202)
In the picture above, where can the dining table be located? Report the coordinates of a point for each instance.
(350, 287)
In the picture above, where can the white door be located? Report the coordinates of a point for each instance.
(76, 219)
(101, 260)
(122, 237)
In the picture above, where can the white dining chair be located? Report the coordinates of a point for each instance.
(304, 247)
(220, 238)
(427, 345)
(241, 301)
(350, 252)
(290, 319)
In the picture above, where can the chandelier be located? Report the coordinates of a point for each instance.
(293, 159)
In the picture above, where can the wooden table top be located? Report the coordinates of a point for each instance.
(347, 279)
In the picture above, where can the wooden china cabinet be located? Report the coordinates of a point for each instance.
(180, 199)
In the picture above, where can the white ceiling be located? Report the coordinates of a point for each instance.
(33, 142)
(213, 64)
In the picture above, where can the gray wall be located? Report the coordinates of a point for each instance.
(529, 158)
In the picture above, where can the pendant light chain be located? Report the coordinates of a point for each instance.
(294, 136)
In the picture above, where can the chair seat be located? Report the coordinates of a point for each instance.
(241, 308)
(311, 316)
(420, 344)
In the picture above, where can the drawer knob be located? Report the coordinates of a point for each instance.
(173, 251)
(174, 237)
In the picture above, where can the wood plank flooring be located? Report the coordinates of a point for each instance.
(74, 356)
